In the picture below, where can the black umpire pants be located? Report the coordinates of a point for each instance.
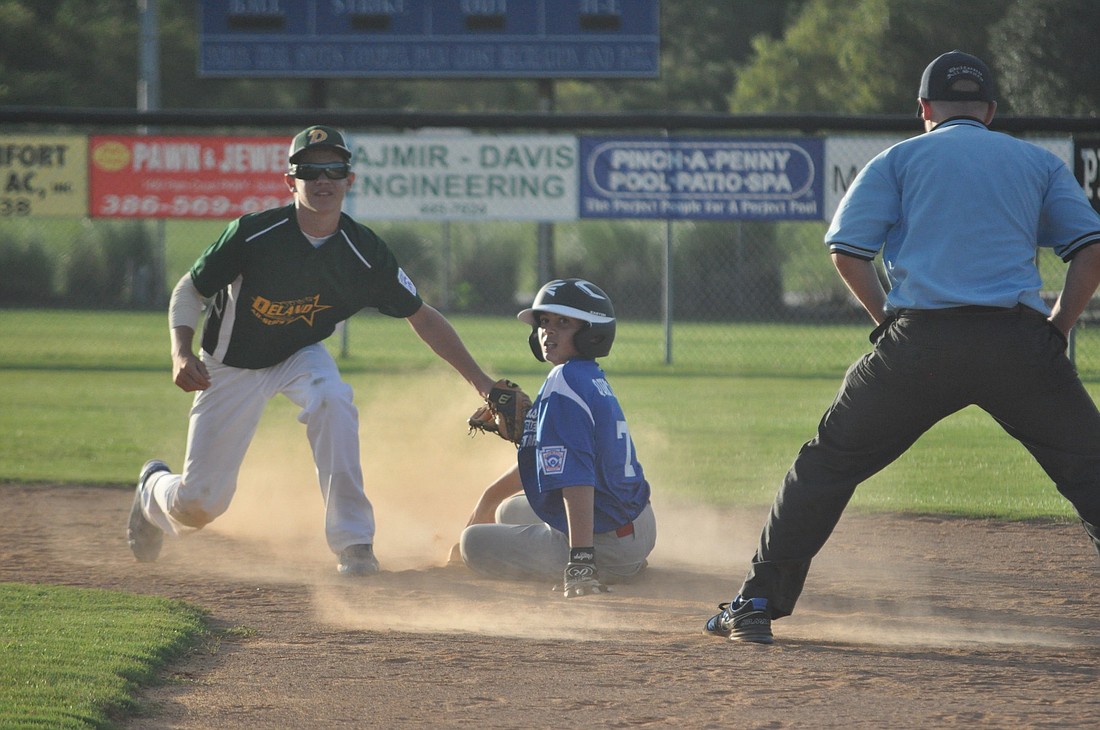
(926, 365)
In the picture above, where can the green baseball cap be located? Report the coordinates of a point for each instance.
(318, 136)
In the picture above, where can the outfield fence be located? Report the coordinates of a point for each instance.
(480, 225)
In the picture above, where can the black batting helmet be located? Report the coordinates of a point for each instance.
(579, 299)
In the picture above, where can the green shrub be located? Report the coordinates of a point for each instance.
(622, 258)
(486, 263)
(729, 271)
(26, 273)
(111, 265)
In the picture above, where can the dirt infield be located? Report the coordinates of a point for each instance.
(906, 622)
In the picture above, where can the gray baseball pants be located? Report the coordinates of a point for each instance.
(520, 546)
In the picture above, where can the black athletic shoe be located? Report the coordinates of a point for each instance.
(144, 537)
(358, 560)
(743, 619)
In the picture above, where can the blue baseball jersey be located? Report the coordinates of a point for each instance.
(576, 435)
(952, 234)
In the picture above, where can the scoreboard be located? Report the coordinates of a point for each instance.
(430, 38)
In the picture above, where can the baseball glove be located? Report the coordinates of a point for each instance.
(503, 413)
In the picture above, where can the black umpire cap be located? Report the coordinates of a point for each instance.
(318, 136)
(938, 81)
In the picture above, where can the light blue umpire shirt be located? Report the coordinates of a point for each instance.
(958, 214)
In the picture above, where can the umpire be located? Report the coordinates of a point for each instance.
(958, 214)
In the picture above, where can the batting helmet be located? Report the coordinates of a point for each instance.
(581, 300)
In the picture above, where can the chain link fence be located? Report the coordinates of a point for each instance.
(728, 296)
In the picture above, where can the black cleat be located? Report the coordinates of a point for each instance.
(144, 537)
(744, 619)
(358, 560)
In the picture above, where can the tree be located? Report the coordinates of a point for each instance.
(858, 57)
(701, 45)
(68, 53)
(812, 66)
(1048, 57)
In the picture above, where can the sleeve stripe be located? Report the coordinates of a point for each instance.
(1082, 242)
(850, 250)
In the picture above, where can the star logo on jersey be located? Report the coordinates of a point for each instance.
(279, 313)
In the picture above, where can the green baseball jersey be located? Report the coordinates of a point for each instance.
(274, 292)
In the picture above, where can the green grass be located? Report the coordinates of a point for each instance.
(72, 657)
(87, 398)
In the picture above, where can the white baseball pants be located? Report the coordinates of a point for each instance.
(223, 422)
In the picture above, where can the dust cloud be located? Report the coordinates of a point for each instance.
(423, 474)
(872, 584)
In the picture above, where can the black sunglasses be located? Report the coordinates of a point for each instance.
(313, 170)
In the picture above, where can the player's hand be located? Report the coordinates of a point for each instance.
(189, 373)
(581, 578)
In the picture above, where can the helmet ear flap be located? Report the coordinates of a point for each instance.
(533, 341)
(595, 340)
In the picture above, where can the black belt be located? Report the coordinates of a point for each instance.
(953, 311)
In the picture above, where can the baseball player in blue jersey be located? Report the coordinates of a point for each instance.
(577, 502)
(957, 214)
(277, 283)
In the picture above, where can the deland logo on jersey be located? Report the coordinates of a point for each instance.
(277, 313)
(552, 459)
(405, 281)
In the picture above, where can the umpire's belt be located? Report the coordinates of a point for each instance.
(955, 311)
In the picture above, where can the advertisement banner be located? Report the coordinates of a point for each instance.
(701, 178)
(43, 175)
(1086, 167)
(463, 177)
(186, 177)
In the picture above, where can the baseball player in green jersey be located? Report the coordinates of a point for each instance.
(275, 285)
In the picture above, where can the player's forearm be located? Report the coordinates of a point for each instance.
(504, 487)
(189, 373)
(183, 341)
(861, 278)
(434, 329)
(1082, 278)
(579, 509)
